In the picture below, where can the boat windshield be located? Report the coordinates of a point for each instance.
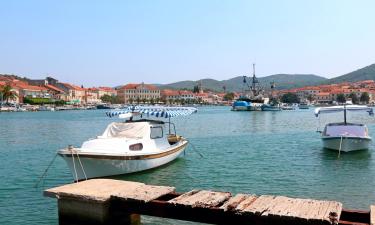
(346, 130)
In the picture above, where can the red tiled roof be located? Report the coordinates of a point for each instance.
(49, 86)
(201, 94)
(73, 87)
(135, 86)
(185, 92)
(168, 92)
(106, 89)
(25, 86)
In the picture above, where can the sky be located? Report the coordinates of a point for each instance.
(109, 43)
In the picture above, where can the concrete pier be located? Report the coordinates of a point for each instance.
(106, 201)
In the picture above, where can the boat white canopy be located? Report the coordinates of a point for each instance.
(157, 111)
(127, 130)
(334, 109)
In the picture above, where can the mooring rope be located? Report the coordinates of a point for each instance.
(74, 166)
(340, 147)
(45, 172)
(193, 147)
(83, 170)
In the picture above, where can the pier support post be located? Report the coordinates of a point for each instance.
(79, 212)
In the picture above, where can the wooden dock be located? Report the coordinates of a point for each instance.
(106, 201)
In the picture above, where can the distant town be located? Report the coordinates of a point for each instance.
(16, 90)
(52, 91)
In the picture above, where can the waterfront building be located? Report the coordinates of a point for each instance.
(55, 92)
(106, 91)
(323, 98)
(203, 98)
(75, 94)
(91, 96)
(328, 93)
(138, 93)
(41, 82)
(28, 91)
(173, 95)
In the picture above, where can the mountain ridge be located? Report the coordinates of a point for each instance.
(365, 73)
(282, 81)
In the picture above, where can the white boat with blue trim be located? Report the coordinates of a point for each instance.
(344, 136)
(130, 146)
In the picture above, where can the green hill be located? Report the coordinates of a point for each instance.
(366, 73)
(282, 81)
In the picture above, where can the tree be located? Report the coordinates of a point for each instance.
(152, 101)
(229, 96)
(144, 100)
(310, 98)
(354, 97)
(290, 98)
(164, 100)
(131, 100)
(111, 99)
(7, 93)
(138, 100)
(106, 98)
(365, 98)
(341, 98)
(196, 89)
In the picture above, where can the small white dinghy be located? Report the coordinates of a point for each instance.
(130, 146)
(345, 136)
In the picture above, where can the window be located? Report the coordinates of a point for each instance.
(156, 132)
(136, 147)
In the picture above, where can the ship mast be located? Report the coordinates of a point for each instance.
(254, 81)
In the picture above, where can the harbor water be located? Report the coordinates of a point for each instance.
(275, 153)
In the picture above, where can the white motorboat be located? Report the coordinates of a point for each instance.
(130, 146)
(345, 136)
(303, 105)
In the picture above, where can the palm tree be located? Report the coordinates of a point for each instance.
(7, 93)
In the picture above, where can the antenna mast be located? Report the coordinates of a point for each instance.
(253, 87)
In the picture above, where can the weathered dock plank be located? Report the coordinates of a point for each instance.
(303, 210)
(372, 215)
(238, 202)
(202, 199)
(260, 205)
(106, 201)
(144, 193)
(99, 190)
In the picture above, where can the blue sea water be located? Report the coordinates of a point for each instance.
(277, 153)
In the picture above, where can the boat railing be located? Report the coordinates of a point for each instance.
(169, 128)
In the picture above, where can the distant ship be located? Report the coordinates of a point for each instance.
(252, 99)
